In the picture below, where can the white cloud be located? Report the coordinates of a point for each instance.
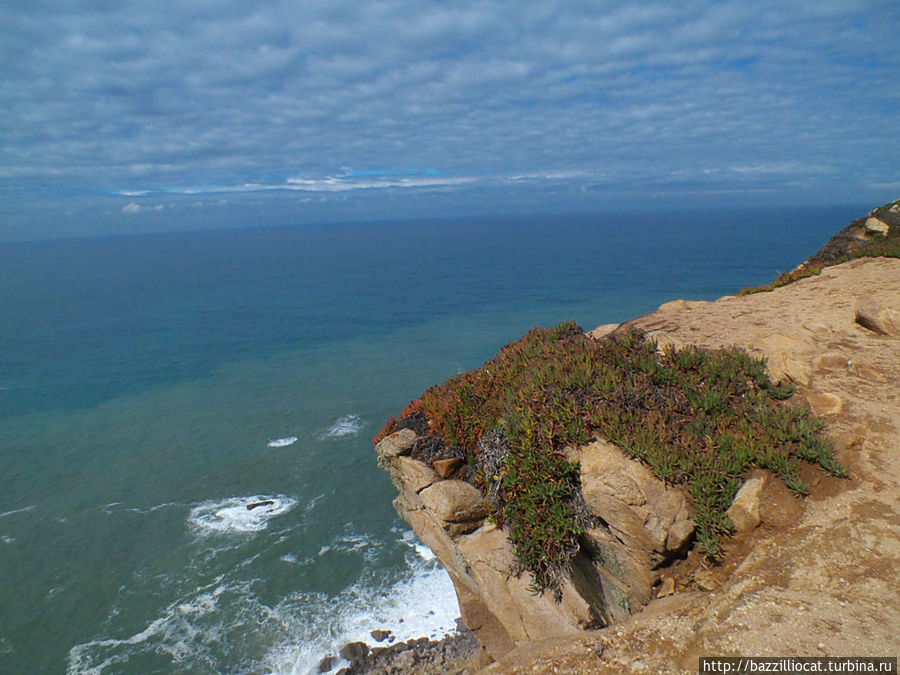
(346, 182)
(221, 100)
(132, 207)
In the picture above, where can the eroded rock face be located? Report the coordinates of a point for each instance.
(641, 524)
(644, 524)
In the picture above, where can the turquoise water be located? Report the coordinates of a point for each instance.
(152, 386)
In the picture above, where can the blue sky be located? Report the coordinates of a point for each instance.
(124, 114)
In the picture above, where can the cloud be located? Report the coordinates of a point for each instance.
(349, 180)
(263, 97)
(133, 207)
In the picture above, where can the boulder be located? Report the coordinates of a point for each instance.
(604, 330)
(666, 588)
(788, 357)
(644, 523)
(354, 651)
(673, 306)
(380, 635)
(396, 444)
(414, 475)
(873, 314)
(744, 510)
(680, 305)
(823, 403)
(446, 467)
(454, 501)
(640, 510)
(876, 226)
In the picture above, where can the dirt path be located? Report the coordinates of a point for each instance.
(820, 576)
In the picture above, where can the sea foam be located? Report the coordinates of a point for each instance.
(239, 514)
(348, 425)
(187, 635)
(282, 442)
(421, 604)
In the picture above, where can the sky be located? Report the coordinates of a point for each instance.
(126, 116)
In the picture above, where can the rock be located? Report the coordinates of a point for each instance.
(454, 501)
(680, 532)
(876, 226)
(396, 444)
(638, 507)
(380, 635)
(457, 529)
(644, 522)
(666, 343)
(744, 510)
(706, 581)
(413, 474)
(673, 305)
(872, 314)
(354, 651)
(523, 615)
(788, 358)
(678, 305)
(824, 403)
(627, 576)
(446, 467)
(666, 588)
(602, 331)
(482, 621)
(326, 664)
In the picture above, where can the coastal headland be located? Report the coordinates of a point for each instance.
(643, 570)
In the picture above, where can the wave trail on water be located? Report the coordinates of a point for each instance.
(238, 514)
(282, 442)
(15, 511)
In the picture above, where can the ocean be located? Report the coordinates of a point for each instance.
(152, 386)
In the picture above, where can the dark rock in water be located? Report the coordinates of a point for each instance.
(354, 651)
(267, 502)
(380, 635)
(422, 656)
(326, 664)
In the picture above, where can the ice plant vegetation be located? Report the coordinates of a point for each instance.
(699, 418)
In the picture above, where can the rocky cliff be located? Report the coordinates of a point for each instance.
(812, 576)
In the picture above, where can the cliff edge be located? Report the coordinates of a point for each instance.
(794, 576)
